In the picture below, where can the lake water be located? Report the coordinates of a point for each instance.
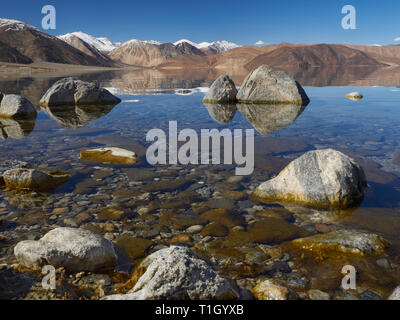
(157, 204)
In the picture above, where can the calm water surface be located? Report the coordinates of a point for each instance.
(367, 130)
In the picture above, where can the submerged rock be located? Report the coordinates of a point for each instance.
(266, 118)
(354, 96)
(16, 107)
(266, 86)
(73, 249)
(176, 273)
(223, 90)
(69, 91)
(321, 178)
(343, 242)
(222, 113)
(110, 155)
(33, 179)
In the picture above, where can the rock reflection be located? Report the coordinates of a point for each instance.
(16, 129)
(222, 113)
(266, 118)
(75, 117)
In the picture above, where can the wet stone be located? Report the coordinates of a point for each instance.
(266, 231)
(111, 214)
(215, 229)
(134, 247)
(235, 195)
(224, 217)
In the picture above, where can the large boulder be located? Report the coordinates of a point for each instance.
(13, 106)
(1, 96)
(69, 91)
(176, 273)
(266, 86)
(321, 178)
(33, 179)
(74, 249)
(223, 90)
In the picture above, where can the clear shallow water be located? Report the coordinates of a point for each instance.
(366, 130)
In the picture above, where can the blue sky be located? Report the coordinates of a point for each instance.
(243, 22)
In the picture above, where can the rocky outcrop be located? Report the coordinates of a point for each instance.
(69, 91)
(33, 179)
(74, 249)
(223, 90)
(176, 273)
(341, 243)
(110, 155)
(16, 107)
(354, 96)
(222, 113)
(266, 86)
(266, 118)
(321, 178)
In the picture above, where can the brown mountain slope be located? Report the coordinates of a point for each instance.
(9, 54)
(39, 46)
(83, 46)
(318, 55)
(145, 54)
(387, 54)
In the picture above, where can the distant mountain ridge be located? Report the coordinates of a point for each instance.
(24, 44)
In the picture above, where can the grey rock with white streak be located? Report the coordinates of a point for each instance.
(13, 106)
(69, 91)
(321, 178)
(176, 273)
(223, 90)
(267, 86)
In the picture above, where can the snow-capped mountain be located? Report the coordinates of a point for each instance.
(135, 41)
(211, 47)
(24, 43)
(101, 44)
